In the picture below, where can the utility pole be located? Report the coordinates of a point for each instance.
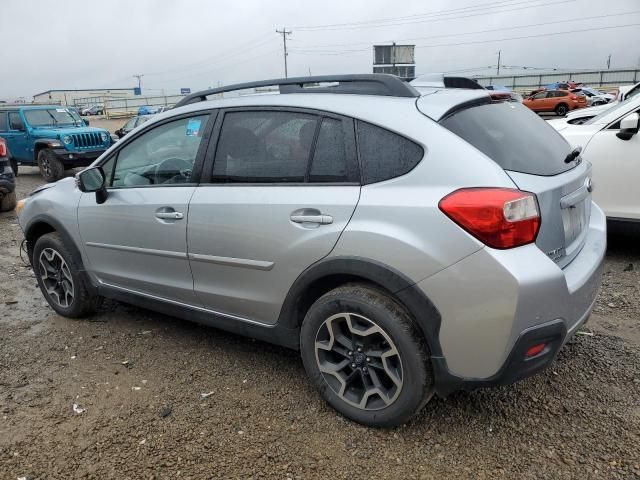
(284, 32)
(498, 69)
(609, 62)
(139, 77)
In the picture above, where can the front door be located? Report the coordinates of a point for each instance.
(137, 239)
(284, 185)
(18, 138)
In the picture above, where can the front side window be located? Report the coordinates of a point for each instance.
(163, 155)
(3, 121)
(264, 147)
(15, 122)
(540, 95)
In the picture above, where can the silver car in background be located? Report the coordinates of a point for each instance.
(408, 240)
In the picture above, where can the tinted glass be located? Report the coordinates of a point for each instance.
(50, 117)
(3, 122)
(513, 136)
(540, 95)
(163, 155)
(331, 163)
(258, 147)
(15, 122)
(383, 154)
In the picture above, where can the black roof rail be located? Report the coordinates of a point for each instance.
(357, 84)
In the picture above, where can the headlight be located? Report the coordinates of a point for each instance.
(104, 136)
(67, 139)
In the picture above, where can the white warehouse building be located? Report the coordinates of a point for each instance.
(69, 97)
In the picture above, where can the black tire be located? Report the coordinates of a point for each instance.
(14, 166)
(50, 167)
(365, 302)
(561, 109)
(83, 302)
(8, 202)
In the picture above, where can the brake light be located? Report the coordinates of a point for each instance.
(499, 217)
(3, 147)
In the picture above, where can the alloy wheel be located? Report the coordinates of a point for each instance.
(46, 165)
(56, 277)
(359, 361)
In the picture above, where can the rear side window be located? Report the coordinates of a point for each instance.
(3, 122)
(264, 147)
(331, 162)
(512, 136)
(384, 154)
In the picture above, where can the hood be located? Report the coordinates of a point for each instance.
(590, 111)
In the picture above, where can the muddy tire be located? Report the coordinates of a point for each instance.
(366, 356)
(8, 202)
(61, 279)
(50, 167)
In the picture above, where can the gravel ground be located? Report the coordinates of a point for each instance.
(162, 398)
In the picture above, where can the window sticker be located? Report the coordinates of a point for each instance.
(61, 110)
(193, 127)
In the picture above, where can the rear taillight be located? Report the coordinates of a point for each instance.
(498, 217)
(3, 148)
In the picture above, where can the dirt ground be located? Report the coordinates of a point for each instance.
(163, 398)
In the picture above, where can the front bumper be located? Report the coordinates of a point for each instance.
(503, 301)
(77, 159)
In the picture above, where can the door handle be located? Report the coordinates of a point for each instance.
(319, 219)
(169, 215)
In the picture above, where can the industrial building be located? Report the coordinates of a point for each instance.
(69, 97)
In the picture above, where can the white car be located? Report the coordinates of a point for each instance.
(581, 115)
(610, 141)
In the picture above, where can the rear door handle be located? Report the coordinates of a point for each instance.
(169, 215)
(319, 219)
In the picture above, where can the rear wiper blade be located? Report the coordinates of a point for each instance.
(573, 154)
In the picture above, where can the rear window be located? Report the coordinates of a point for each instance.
(512, 136)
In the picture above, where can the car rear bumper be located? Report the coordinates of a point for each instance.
(77, 159)
(506, 299)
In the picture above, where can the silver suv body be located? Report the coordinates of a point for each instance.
(406, 240)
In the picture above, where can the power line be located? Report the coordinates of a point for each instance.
(437, 13)
(284, 33)
(431, 20)
(455, 34)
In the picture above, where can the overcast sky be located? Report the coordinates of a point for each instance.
(198, 43)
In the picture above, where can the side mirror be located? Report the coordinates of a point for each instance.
(93, 180)
(18, 126)
(628, 126)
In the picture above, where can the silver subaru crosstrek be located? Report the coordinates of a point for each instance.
(408, 239)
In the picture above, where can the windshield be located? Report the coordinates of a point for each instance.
(50, 117)
(512, 136)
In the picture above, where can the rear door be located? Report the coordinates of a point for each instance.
(283, 186)
(533, 154)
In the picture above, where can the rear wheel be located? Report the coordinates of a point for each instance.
(8, 202)
(561, 110)
(60, 278)
(365, 355)
(51, 168)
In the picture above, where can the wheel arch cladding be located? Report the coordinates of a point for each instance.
(330, 273)
(43, 224)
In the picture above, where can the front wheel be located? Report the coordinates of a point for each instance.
(50, 167)
(60, 278)
(366, 356)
